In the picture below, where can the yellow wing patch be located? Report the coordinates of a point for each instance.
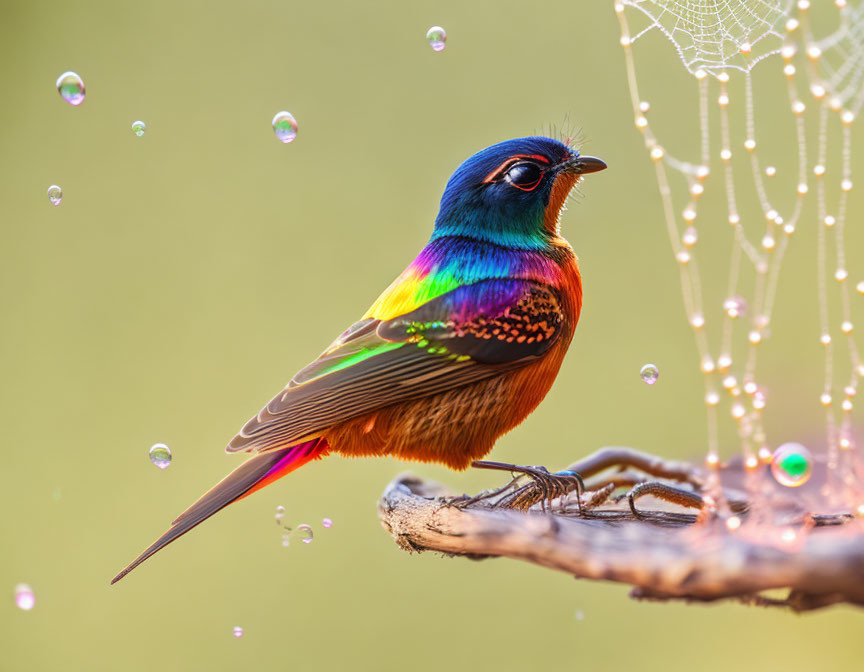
(410, 291)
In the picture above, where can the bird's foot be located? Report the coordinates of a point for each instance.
(666, 492)
(682, 497)
(543, 487)
(487, 497)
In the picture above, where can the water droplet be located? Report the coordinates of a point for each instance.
(160, 455)
(280, 514)
(304, 531)
(437, 37)
(55, 195)
(71, 88)
(326, 522)
(649, 373)
(237, 632)
(791, 465)
(788, 535)
(285, 126)
(24, 597)
(735, 306)
(138, 128)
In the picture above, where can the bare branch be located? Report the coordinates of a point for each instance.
(664, 554)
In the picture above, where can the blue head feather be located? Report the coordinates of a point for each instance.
(496, 210)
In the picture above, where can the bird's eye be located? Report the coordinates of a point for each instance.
(524, 175)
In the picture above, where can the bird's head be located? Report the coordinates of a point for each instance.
(512, 193)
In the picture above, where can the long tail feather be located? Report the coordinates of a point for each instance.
(250, 476)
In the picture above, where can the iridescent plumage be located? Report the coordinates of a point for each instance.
(458, 350)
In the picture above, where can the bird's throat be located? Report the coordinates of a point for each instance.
(561, 189)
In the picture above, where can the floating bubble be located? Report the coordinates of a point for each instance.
(735, 306)
(138, 128)
(55, 195)
(649, 373)
(579, 615)
(160, 455)
(285, 126)
(280, 514)
(71, 88)
(24, 597)
(437, 37)
(326, 522)
(237, 632)
(791, 465)
(286, 540)
(304, 531)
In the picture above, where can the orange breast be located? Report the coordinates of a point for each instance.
(461, 425)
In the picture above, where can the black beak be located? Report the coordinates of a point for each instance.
(582, 165)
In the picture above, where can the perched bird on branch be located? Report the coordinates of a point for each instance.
(462, 346)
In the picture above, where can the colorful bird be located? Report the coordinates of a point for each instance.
(462, 346)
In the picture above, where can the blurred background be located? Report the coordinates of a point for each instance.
(190, 272)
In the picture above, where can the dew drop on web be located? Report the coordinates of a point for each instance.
(690, 237)
(735, 306)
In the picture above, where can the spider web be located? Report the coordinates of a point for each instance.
(818, 48)
(717, 34)
(842, 60)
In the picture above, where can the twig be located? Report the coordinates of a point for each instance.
(664, 554)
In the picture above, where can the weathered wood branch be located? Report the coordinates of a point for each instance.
(664, 554)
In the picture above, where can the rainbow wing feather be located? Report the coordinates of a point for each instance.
(454, 338)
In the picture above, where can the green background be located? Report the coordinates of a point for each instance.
(189, 273)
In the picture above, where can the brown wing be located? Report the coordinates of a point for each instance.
(469, 334)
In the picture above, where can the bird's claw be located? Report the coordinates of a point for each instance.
(544, 486)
